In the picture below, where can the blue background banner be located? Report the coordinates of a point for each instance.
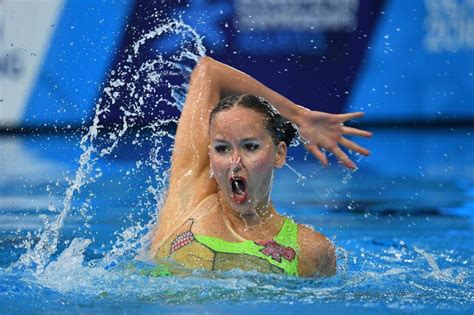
(395, 60)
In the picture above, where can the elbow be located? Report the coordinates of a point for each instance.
(203, 66)
(202, 72)
(205, 61)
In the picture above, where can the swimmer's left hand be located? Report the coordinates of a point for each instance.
(327, 131)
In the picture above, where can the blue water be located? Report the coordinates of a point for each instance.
(77, 211)
(403, 224)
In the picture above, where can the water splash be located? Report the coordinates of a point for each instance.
(342, 259)
(100, 141)
(91, 282)
(301, 177)
(437, 273)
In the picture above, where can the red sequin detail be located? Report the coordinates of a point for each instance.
(182, 240)
(276, 251)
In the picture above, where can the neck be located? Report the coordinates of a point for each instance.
(254, 224)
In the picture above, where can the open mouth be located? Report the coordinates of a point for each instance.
(239, 189)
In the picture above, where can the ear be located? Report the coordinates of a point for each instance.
(281, 154)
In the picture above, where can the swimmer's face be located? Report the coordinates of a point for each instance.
(243, 157)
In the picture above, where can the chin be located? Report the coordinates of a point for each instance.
(246, 208)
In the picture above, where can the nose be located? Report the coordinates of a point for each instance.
(234, 158)
(235, 165)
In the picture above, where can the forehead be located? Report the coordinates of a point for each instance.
(240, 121)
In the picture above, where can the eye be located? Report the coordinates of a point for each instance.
(250, 146)
(221, 148)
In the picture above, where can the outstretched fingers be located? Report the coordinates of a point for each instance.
(343, 157)
(354, 146)
(356, 132)
(317, 153)
(349, 116)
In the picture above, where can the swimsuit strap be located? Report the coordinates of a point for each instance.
(288, 235)
(282, 251)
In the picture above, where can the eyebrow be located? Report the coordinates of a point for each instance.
(219, 141)
(243, 140)
(250, 140)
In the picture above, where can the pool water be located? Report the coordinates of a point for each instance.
(77, 210)
(403, 224)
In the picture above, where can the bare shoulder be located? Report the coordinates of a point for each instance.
(317, 253)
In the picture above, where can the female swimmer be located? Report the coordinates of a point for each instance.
(218, 214)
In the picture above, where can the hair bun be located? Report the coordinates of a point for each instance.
(290, 133)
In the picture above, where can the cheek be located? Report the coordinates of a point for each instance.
(218, 165)
(263, 163)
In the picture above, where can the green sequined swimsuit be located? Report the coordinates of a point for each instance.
(279, 255)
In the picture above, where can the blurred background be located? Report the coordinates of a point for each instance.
(404, 63)
(408, 64)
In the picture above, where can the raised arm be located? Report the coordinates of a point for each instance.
(320, 130)
(210, 81)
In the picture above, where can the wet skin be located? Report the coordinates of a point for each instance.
(241, 147)
(227, 216)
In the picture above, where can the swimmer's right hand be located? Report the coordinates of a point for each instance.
(321, 130)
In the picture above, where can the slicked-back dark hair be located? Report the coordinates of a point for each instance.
(279, 128)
